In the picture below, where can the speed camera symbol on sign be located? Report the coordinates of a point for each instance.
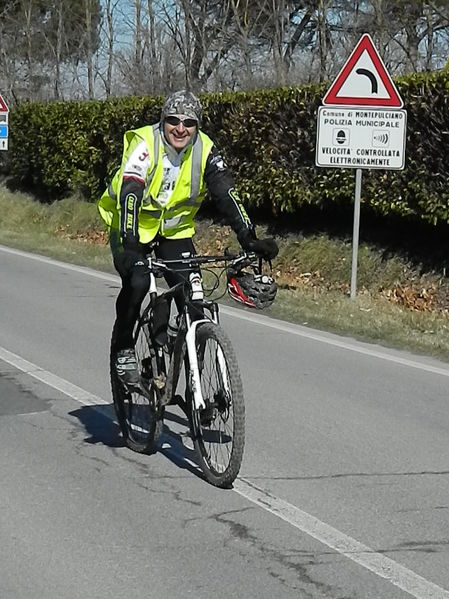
(381, 139)
(341, 137)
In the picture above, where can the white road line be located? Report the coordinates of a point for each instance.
(336, 342)
(279, 325)
(81, 269)
(73, 391)
(400, 576)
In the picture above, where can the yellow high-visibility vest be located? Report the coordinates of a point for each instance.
(176, 219)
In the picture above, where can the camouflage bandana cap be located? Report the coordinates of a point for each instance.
(182, 102)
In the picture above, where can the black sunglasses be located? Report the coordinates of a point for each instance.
(174, 120)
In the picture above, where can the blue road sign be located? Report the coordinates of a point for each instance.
(3, 131)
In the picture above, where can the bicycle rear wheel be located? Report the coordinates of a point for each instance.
(218, 430)
(138, 411)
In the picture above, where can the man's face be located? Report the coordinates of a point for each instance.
(179, 131)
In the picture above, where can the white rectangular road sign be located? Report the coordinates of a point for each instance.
(368, 138)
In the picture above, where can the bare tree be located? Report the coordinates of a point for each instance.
(323, 36)
(52, 48)
(109, 8)
(406, 31)
(244, 26)
(151, 43)
(138, 37)
(89, 45)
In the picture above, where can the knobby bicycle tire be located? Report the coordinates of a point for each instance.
(219, 430)
(138, 413)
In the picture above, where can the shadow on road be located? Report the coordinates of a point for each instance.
(98, 420)
(173, 444)
(99, 423)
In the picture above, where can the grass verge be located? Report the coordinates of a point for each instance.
(397, 304)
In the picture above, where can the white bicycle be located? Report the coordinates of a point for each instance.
(213, 395)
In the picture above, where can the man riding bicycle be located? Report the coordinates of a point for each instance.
(151, 204)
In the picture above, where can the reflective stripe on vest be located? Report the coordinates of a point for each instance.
(197, 155)
(171, 221)
(156, 142)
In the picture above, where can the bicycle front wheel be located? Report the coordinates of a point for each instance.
(138, 411)
(219, 429)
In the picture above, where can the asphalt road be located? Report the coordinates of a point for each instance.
(343, 492)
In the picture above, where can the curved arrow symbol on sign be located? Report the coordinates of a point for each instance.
(371, 77)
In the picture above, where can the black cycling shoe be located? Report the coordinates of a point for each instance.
(126, 367)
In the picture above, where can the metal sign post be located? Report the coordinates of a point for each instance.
(355, 231)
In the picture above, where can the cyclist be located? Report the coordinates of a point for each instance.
(151, 204)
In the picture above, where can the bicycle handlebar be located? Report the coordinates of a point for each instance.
(244, 258)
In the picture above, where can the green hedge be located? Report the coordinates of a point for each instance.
(268, 138)
(60, 148)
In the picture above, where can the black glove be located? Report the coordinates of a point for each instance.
(265, 248)
(125, 260)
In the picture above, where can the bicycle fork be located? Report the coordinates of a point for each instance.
(195, 380)
(194, 374)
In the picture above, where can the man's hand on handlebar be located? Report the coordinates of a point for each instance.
(265, 248)
(132, 253)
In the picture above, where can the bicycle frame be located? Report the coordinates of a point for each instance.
(172, 376)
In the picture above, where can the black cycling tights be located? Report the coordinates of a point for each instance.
(136, 285)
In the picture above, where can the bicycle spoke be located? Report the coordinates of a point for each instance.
(218, 435)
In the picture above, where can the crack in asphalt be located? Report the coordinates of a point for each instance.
(284, 558)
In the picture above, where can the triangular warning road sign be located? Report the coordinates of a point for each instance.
(363, 80)
(3, 107)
